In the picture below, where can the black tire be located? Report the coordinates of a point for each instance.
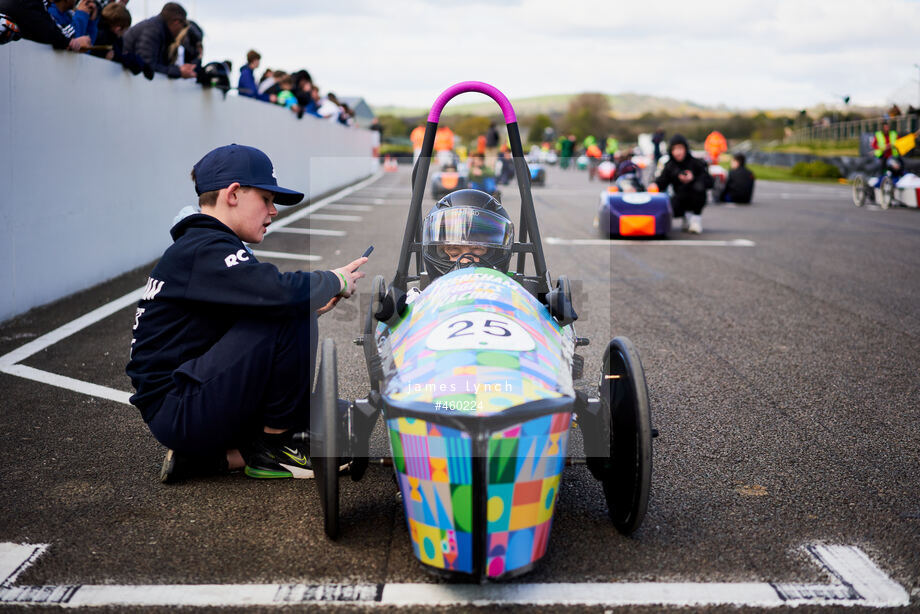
(628, 475)
(886, 192)
(324, 440)
(859, 190)
(378, 293)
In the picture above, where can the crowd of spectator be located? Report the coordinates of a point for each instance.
(168, 43)
(295, 91)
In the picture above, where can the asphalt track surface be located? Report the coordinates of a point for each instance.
(783, 378)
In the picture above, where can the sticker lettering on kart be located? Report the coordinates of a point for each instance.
(479, 330)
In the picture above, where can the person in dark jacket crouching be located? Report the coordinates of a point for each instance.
(739, 187)
(224, 346)
(690, 179)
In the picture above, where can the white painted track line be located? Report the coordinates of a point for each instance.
(338, 207)
(859, 583)
(69, 383)
(852, 566)
(320, 232)
(334, 217)
(15, 558)
(286, 256)
(390, 203)
(656, 242)
(62, 332)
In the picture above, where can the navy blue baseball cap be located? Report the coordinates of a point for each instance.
(247, 166)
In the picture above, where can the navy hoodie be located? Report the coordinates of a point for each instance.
(205, 282)
(686, 195)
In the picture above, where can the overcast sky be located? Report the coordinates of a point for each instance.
(740, 53)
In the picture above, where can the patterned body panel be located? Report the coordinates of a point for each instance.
(434, 469)
(525, 470)
(476, 341)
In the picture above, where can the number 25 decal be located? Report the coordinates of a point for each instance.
(480, 330)
(489, 327)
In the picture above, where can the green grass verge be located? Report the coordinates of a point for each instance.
(820, 148)
(780, 173)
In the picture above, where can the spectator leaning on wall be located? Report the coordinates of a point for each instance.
(83, 21)
(31, 20)
(151, 38)
(247, 85)
(113, 24)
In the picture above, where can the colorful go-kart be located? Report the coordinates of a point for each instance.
(627, 209)
(472, 367)
(887, 190)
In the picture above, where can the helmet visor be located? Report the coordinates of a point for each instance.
(467, 226)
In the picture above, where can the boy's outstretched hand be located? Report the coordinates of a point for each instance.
(348, 276)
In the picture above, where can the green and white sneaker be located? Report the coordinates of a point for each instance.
(279, 456)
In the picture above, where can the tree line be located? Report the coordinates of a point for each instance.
(590, 114)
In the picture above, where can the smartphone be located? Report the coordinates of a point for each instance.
(367, 252)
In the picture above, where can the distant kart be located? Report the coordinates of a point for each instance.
(719, 178)
(536, 155)
(628, 210)
(886, 191)
(537, 174)
(606, 170)
(451, 177)
(473, 372)
(889, 190)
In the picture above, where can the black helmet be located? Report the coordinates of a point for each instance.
(476, 223)
(214, 74)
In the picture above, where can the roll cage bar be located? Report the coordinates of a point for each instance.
(529, 233)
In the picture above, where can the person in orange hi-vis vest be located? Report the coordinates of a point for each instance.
(444, 144)
(417, 136)
(594, 154)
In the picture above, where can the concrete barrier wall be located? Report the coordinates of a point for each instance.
(95, 163)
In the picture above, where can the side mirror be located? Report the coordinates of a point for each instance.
(393, 307)
(559, 302)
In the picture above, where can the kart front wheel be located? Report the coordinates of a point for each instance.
(859, 190)
(628, 472)
(886, 192)
(324, 439)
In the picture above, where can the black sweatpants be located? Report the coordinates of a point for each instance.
(683, 205)
(258, 374)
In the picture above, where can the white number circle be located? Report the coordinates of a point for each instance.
(479, 330)
(636, 198)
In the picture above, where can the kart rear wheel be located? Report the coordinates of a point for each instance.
(886, 192)
(628, 475)
(859, 190)
(324, 439)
